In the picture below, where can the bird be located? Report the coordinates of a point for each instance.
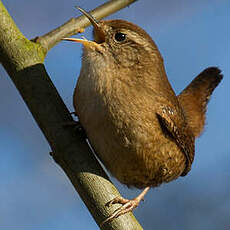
(142, 132)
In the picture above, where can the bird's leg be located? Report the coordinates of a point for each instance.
(127, 205)
(76, 125)
(73, 113)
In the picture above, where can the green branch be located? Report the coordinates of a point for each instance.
(23, 60)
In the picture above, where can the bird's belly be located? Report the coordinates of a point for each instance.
(137, 162)
(135, 153)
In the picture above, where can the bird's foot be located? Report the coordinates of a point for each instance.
(73, 113)
(127, 205)
(76, 125)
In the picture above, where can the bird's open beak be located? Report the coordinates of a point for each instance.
(99, 35)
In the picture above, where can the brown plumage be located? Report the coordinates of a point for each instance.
(194, 98)
(142, 132)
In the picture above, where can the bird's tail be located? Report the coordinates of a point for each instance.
(194, 98)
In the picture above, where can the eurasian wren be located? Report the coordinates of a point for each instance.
(142, 132)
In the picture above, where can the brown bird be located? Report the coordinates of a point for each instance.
(142, 132)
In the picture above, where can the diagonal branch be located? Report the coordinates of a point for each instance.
(23, 61)
(76, 25)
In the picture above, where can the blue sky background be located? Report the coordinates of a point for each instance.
(34, 191)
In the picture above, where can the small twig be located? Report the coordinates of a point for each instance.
(77, 25)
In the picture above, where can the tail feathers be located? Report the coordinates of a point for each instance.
(194, 98)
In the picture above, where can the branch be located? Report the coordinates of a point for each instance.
(23, 60)
(77, 25)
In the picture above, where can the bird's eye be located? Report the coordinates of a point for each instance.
(120, 37)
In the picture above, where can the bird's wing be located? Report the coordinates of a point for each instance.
(175, 127)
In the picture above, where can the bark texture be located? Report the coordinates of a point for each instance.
(23, 61)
